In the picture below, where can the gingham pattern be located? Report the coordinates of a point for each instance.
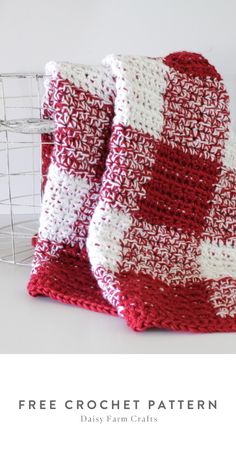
(162, 225)
(80, 100)
(162, 238)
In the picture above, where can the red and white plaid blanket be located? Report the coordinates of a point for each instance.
(139, 211)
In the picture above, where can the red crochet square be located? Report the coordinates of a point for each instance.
(181, 307)
(180, 189)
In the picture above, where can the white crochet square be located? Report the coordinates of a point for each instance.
(95, 79)
(63, 198)
(106, 232)
(141, 83)
(217, 260)
(229, 153)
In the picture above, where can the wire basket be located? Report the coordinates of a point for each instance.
(21, 128)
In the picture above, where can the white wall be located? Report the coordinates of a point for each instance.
(34, 32)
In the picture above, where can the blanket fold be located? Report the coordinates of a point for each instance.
(80, 100)
(139, 211)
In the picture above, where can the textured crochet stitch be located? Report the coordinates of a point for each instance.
(162, 232)
(80, 100)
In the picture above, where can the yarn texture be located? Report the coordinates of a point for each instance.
(80, 100)
(139, 210)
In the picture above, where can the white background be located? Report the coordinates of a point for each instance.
(122, 377)
(34, 32)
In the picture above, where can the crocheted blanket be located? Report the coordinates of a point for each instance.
(139, 211)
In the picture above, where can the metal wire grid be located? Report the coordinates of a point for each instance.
(21, 126)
